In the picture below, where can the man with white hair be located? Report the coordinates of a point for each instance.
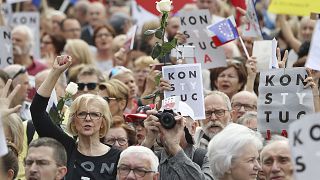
(218, 115)
(138, 162)
(22, 42)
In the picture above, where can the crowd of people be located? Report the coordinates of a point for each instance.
(110, 127)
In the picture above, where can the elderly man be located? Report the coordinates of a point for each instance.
(138, 162)
(46, 159)
(96, 17)
(217, 110)
(276, 160)
(22, 42)
(241, 103)
(19, 75)
(70, 28)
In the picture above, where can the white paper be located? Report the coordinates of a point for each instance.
(274, 64)
(3, 143)
(313, 60)
(130, 38)
(262, 50)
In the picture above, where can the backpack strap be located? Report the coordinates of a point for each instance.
(198, 156)
(30, 131)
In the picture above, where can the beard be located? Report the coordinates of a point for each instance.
(17, 50)
(207, 128)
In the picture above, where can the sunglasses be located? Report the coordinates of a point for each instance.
(108, 99)
(90, 86)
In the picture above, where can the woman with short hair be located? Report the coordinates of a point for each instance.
(234, 152)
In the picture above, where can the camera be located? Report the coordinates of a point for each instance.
(166, 118)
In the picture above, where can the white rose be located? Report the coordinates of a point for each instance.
(72, 88)
(164, 5)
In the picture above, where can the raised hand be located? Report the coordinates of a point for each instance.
(5, 99)
(62, 63)
(282, 63)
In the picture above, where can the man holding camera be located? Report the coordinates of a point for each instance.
(179, 159)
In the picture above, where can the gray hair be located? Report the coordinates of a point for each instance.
(27, 31)
(223, 96)
(154, 161)
(226, 146)
(248, 116)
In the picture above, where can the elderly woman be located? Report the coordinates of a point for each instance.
(230, 79)
(233, 153)
(89, 120)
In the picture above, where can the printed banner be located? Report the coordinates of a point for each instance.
(282, 99)
(6, 57)
(294, 7)
(186, 83)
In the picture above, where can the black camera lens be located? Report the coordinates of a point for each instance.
(166, 119)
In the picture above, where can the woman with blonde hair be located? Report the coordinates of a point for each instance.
(116, 94)
(79, 50)
(89, 120)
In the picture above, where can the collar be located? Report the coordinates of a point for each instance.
(204, 136)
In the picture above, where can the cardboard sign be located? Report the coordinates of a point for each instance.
(252, 28)
(6, 57)
(314, 53)
(304, 137)
(6, 12)
(194, 24)
(294, 7)
(186, 83)
(3, 143)
(32, 20)
(282, 99)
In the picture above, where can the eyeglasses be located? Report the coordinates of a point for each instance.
(94, 116)
(139, 172)
(46, 42)
(121, 141)
(40, 162)
(90, 86)
(108, 99)
(103, 34)
(219, 113)
(21, 71)
(247, 107)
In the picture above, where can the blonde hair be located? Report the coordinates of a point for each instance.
(144, 62)
(13, 124)
(115, 88)
(84, 100)
(80, 50)
(118, 42)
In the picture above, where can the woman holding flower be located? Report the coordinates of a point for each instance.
(89, 120)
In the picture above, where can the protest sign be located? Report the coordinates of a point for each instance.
(294, 7)
(265, 52)
(314, 53)
(6, 57)
(194, 24)
(185, 52)
(251, 28)
(30, 19)
(3, 143)
(128, 45)
(6, 12)
(282, 99)
(186, 83)
(304, 138)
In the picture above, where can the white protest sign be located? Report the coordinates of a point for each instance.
(171, 102)
(6, 12)
(185, 52)
(6, 57)
(282, 99)
(3, 143)
(262, 50)
(30, 19)
(16, 1)
(130, 38)
(304, 138)
(251, 28)
(314, 53)
(194, 24)
(186, 83)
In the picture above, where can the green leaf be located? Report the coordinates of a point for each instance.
(166, 48)
(156, 51)
(150, 96)
(60, 104)
(157, 79)
(159, 33)
(149, 32)
(55, 117)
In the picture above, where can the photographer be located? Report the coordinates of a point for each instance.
(178, 159)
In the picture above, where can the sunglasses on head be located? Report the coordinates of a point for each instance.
(90, 86)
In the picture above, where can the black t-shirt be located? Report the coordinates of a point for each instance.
(80, 167)
(93, 167)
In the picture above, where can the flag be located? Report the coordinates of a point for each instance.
(36, 3)
(73, 2)
(251, 28)
(223, 31)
